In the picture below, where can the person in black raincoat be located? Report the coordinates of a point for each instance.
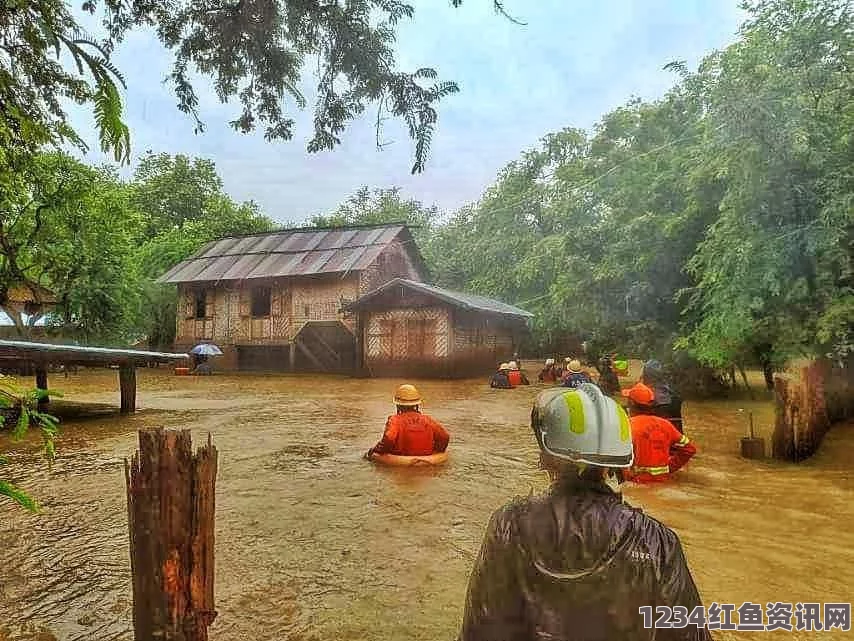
(668, 403)
(577, 563)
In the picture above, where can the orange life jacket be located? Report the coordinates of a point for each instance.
(412, 434)
(660, 449)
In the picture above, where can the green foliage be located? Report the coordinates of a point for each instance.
(718, 220)
(26, 404)
(34, 83)
(367, 207)
(255, 53)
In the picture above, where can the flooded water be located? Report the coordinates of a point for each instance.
(315, 543)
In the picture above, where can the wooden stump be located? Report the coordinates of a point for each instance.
(171, 509)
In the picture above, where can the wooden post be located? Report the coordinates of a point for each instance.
(359, 364)
(41, 383)
(127, 385)
(171, 509)
(292, 355)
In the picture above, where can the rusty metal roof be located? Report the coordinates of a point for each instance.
(471, 302)
(291, 252)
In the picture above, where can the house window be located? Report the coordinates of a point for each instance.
(261, 301)
(201, 300)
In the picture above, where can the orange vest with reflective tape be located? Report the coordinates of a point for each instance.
(653, 437)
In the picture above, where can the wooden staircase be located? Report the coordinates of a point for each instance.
(325, 346)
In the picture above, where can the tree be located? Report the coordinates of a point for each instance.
(776, 266)
(254, 51)
(367, 207)
(67, 229)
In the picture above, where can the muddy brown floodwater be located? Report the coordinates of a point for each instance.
(315, 543)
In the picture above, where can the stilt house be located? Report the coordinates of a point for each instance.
(274, 301)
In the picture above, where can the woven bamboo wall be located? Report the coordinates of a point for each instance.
(320, 298)
(229, 316)
(402, 334)
(394, 262)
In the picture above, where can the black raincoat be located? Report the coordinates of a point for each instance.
(576, 565)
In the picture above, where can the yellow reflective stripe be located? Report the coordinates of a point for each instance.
(625, 429)
(653, 470)
(682, 441)
(576, 413)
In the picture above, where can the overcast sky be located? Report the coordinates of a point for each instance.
(574, 61)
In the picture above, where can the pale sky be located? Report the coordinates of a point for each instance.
(573, 62)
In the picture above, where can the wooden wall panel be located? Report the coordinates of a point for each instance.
(395, 261)
(398, 333)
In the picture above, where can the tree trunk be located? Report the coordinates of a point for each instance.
(768, 373)
(746, 384)
(171, 509)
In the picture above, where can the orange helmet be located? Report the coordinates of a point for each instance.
(640, 394)
(407, 396)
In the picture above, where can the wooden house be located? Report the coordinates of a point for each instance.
(274, 300)
(409, 328)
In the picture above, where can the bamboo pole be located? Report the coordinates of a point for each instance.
(171, 509)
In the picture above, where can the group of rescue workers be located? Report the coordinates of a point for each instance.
(577, 562)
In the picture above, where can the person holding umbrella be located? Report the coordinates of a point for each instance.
(201, 353)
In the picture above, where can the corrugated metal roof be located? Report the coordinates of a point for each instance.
(458, 299)
(295, 252)
(26, 348)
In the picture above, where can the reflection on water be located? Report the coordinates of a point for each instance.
(315, 543)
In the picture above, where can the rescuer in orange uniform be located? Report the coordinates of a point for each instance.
(516, 376)
(409, 432)
(660, 449)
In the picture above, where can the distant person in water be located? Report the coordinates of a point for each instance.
(668, 403)
(500, 380)
(549, 373)
(409, 432)
(608, 381)
(575, 376)
(516, 376)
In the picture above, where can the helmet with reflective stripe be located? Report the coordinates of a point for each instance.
(583, 426)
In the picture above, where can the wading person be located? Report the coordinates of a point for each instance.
(577, 563)
(668, 403)
(575, 376)
(549, 373)
(409, 432)
(515, 375)
(500, 380)
(660, 449)
(608, 381)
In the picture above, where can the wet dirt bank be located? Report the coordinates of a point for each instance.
(315, 543)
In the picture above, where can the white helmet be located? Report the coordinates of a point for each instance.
(583, 425)
(550, 361)
(513, 365)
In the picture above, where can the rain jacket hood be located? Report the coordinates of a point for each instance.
(576, 565)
